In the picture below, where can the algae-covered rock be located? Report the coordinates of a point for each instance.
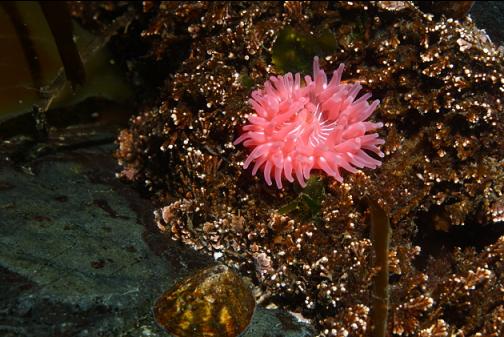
(79, 252)
(440, 83)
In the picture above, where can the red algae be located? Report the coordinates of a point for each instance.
(440, 83)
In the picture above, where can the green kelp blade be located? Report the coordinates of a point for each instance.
(309, 200)
(20, 91)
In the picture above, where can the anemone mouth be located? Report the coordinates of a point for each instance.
(324, 127)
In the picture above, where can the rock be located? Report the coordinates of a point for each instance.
(212, 302)
(81, 256)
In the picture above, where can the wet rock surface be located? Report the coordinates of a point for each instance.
(489, 15)
(79, 255)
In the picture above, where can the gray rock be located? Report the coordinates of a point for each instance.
(489, 15)
(81, 256)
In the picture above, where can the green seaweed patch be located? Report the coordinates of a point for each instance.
(246, 81)
(293, 51)
(308, 203)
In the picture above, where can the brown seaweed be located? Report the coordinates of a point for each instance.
(380, 237)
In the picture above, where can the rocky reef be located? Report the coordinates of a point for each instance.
(441, 86)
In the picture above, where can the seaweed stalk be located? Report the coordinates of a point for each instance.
(380, 237)
(58, 18)
(26, 42)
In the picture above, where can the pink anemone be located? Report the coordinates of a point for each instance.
(319, 126)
